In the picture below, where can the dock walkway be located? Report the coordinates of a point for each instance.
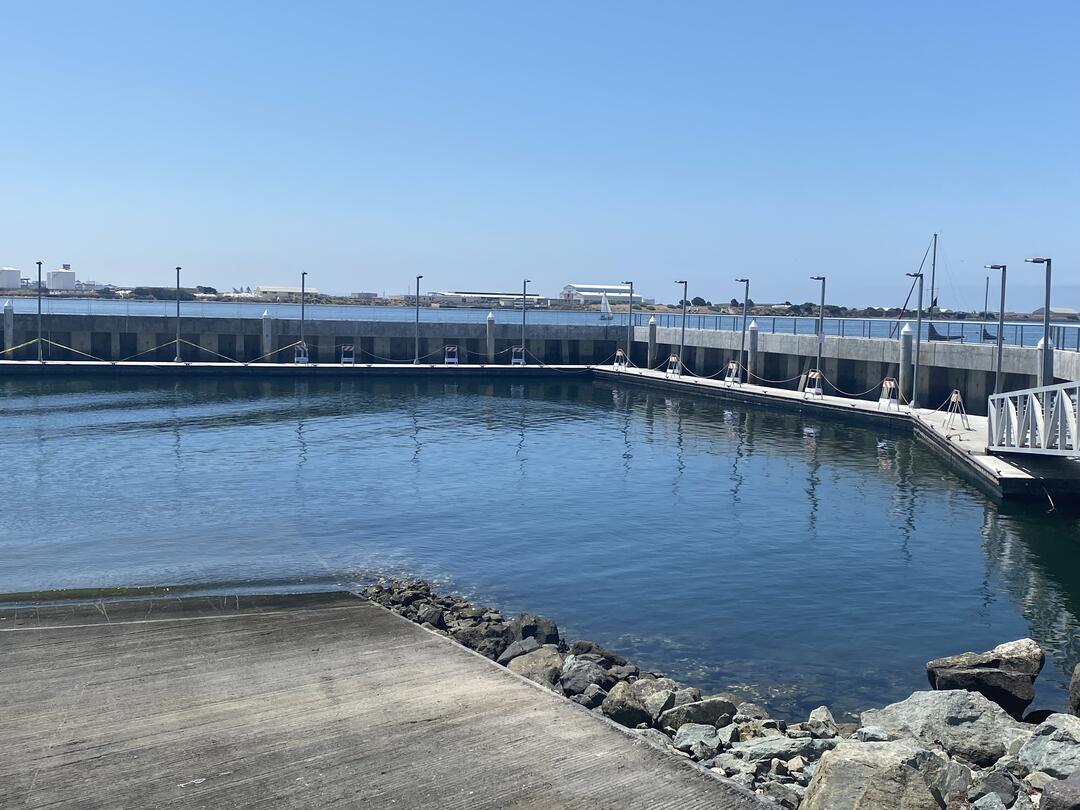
(300, 701)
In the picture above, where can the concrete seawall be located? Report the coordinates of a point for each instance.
(851, 365)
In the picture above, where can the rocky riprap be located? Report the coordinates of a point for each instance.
(951, 748)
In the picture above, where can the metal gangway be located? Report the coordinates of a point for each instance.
(1041, 421)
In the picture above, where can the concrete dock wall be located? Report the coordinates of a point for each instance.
(851, 365)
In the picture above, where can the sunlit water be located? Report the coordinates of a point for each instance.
(802, 560)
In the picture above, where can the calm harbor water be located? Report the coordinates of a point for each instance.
(802, 560)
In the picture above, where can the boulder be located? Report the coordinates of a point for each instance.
(431, 615)
(621, 672)
(659, 702)
(542, 666)
(698, 740)
(752, 711)
(591, 647)
(768, 748)
(821, 723)
(657, 738)
(688, 694)
(529, 625)
(870, 776)
(783, 795)
(522, 647)
(622, 706)
(706, 711)
(1054, 747)
(580, 674)
(1006, 674)
(1074, 692)
(991, 801)
(872, 734)
(490, 640)
(643, 687)
(999, 782)
(965, 724)
(1062, 795)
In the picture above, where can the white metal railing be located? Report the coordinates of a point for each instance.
(1042, 421)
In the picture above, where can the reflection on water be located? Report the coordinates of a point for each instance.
(801, 559)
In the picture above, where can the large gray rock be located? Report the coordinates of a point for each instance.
(785, 748)
(1054, 747)
(821, 723)
(659, 702)
(1074, 692)
(706, 711)
(522, 647)
(698, 740)
(490, 639)
(998, 781)
(579, 674)
(542, 666)
(965, 724)
(1006, 674)
(991, 801)
(643, 687)
(622, 706)
(1062, 795)
(871, 776)
(529, 625)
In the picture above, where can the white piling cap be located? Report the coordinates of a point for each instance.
(7, 304)
(266, 313)
(1039, 345)
(906, 330)
(753, 325)
(491, 316)
(652, 320)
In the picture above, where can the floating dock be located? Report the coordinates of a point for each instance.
(962, 446)
(301, 701)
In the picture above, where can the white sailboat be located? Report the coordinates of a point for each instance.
(605, 309)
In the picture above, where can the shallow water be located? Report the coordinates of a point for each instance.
(800, 559)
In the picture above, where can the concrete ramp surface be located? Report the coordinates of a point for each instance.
(299, 701)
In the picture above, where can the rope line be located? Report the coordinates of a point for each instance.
(30, 342)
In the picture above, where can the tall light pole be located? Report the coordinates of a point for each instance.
(416, 355)
(630, 321)
(986, 298)
(39, 354)
(918, 345)
(524, 285)
(1001, 324)
(177, 358)
(682, 339)
(820, 321)
(303, 297)
(742, 341)
(1046, 371)
(933, 273)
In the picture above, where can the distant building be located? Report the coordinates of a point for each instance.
(10, 278)
(62, 279)
(487, 299)
(364, 296)
(592, 293)
(284, 292)
(1058, 312)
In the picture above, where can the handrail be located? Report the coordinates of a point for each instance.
(1039, 421)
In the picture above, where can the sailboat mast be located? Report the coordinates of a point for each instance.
(933, 272)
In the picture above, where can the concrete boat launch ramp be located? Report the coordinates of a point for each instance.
(299, 701)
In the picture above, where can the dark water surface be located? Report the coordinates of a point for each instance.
(803, 560)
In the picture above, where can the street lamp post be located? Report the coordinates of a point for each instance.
(630, 322)
(416, 355)
(682, 338)
(1001, 325)
(177, 358)
(918, 345)
(1046, 370)
(524, 286)
(820, 321)
(742, 341)
(40, 358)
(303, 296)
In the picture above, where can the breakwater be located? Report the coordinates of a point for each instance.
(854, 365)
(968, 742)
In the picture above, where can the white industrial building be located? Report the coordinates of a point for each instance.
(10, 278)
(62, 279)
(487, 299)
(593, 293)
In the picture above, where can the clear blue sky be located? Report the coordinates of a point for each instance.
(481, 143)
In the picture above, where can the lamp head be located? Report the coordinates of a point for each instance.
(994, 266)
(1037, 260)
(742, 280)
(817, 278)
(914, 275)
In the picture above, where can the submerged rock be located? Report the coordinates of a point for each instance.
(1006, 674)
(965, 724)
(1054, 747)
